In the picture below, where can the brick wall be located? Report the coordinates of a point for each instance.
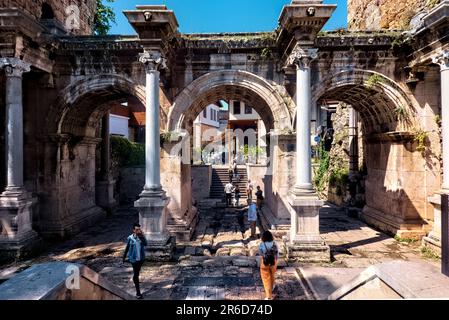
(34, 8)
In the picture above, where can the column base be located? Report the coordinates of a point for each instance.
(158, 252)
(152, 207)
(306, 244)
(303, 190)
(18, 240)
(309, 253)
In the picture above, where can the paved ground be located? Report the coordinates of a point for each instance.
(220, 262)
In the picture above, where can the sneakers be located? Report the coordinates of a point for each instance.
(139, 296)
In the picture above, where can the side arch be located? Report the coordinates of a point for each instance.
(232, 85)
(378, 98)
(84, 102)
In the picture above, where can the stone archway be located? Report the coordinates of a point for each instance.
(389, 122)
(267, 100)
(231, 84)
(372, 94)
(71, 147)
(83, 101)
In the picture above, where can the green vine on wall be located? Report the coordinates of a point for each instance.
(320, 178)
(127, 153)
(373, 80)
(421, 139)
(266, 54)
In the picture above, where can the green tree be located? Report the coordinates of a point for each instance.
(104, 17)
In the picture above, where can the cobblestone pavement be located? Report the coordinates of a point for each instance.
(219, 263)
(356, 245)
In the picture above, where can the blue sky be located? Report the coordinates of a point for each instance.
(212, 16)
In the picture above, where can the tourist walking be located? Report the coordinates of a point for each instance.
(229, 187)
(252, 217)
(259, 198)
(135, 250)
(249, 190)
(230, 173)
(268, 249)
(237, 195)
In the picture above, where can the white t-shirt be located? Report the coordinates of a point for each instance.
(228, 188)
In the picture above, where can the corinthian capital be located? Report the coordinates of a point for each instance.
(152, 60)
(14, 67)
(442, 60)
(301, 57)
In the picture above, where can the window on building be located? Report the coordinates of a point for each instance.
(237, 107)
(205, 113)
(248, 109)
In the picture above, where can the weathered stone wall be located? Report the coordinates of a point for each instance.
(34, 8)
(201, 180)
(283, 178)
(257, 174)
(384, 14)
(131, 183)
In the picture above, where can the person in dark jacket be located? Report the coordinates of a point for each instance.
(135, 250)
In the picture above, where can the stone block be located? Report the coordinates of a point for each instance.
(313, 253)
(161, 253)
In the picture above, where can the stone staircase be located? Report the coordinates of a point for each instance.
(220, 177)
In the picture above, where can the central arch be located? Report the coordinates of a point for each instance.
(241, 85)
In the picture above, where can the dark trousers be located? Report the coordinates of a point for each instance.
(136, 271)
(228, 198)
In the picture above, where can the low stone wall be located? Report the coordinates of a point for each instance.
(131, 182)
(201, 181)
(50, 283)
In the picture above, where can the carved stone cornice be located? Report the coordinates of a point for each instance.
(442, 60)
(153, 61)
(301, 57)
(14, 67)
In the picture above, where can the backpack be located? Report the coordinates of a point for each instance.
(269, 257)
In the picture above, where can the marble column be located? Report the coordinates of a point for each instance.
(306, 244)
(153, 201)
(302, 61)
(14, 68)
(443, 61)
(105, 187)
(17, 236)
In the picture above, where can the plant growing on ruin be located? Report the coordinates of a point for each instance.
(401, 113)
(266, 54)
(432, 3)
(373, 80)
(127, 153)
(437, 119)
(421, 139)
(104, 17)
(320, 178)
(429, 253)
(168, 136)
